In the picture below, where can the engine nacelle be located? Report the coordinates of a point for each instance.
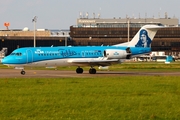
(117, 54)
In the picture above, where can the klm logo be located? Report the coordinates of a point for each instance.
(116, 53)
(38, 51)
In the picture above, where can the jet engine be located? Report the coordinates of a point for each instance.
(117, 53)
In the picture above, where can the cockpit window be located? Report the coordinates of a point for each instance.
(17, 54)
(13, 53)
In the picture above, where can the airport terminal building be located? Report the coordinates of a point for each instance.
(97, 31)
(113, 31)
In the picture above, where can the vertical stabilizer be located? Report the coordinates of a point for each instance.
(144, 36)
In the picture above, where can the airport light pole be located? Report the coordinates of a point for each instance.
(128, 29)
(34, 20)
(65, 41)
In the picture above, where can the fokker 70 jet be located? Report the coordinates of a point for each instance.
(83, 55)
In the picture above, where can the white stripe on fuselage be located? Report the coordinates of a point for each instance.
(52, 63)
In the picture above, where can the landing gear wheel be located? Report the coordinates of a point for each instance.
(79, 70)
(23, 72)
(92, 71)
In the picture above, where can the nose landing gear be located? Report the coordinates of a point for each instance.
(23, 72)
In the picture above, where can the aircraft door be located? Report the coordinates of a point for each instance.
(83, 54)
(29, 56)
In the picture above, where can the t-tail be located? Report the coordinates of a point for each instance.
(144, 37)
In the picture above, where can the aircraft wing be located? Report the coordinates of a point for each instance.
(93, 62)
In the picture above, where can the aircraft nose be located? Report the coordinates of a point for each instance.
(6, 60)
(13, 60)
(3, 61)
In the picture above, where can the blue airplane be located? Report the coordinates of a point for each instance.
(83, 55)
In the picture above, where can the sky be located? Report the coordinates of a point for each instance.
(61, 14)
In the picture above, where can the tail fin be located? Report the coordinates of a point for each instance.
(144, 36)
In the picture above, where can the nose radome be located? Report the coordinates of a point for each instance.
(5, 60)
(2, 61)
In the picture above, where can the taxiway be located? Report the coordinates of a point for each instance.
(12, 73)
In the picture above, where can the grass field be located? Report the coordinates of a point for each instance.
(97, 98)
(129, 98)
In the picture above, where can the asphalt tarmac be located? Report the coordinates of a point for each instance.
(12, 73)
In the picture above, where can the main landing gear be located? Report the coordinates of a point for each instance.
(79, 70)
(23, 72)
(91, 70)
